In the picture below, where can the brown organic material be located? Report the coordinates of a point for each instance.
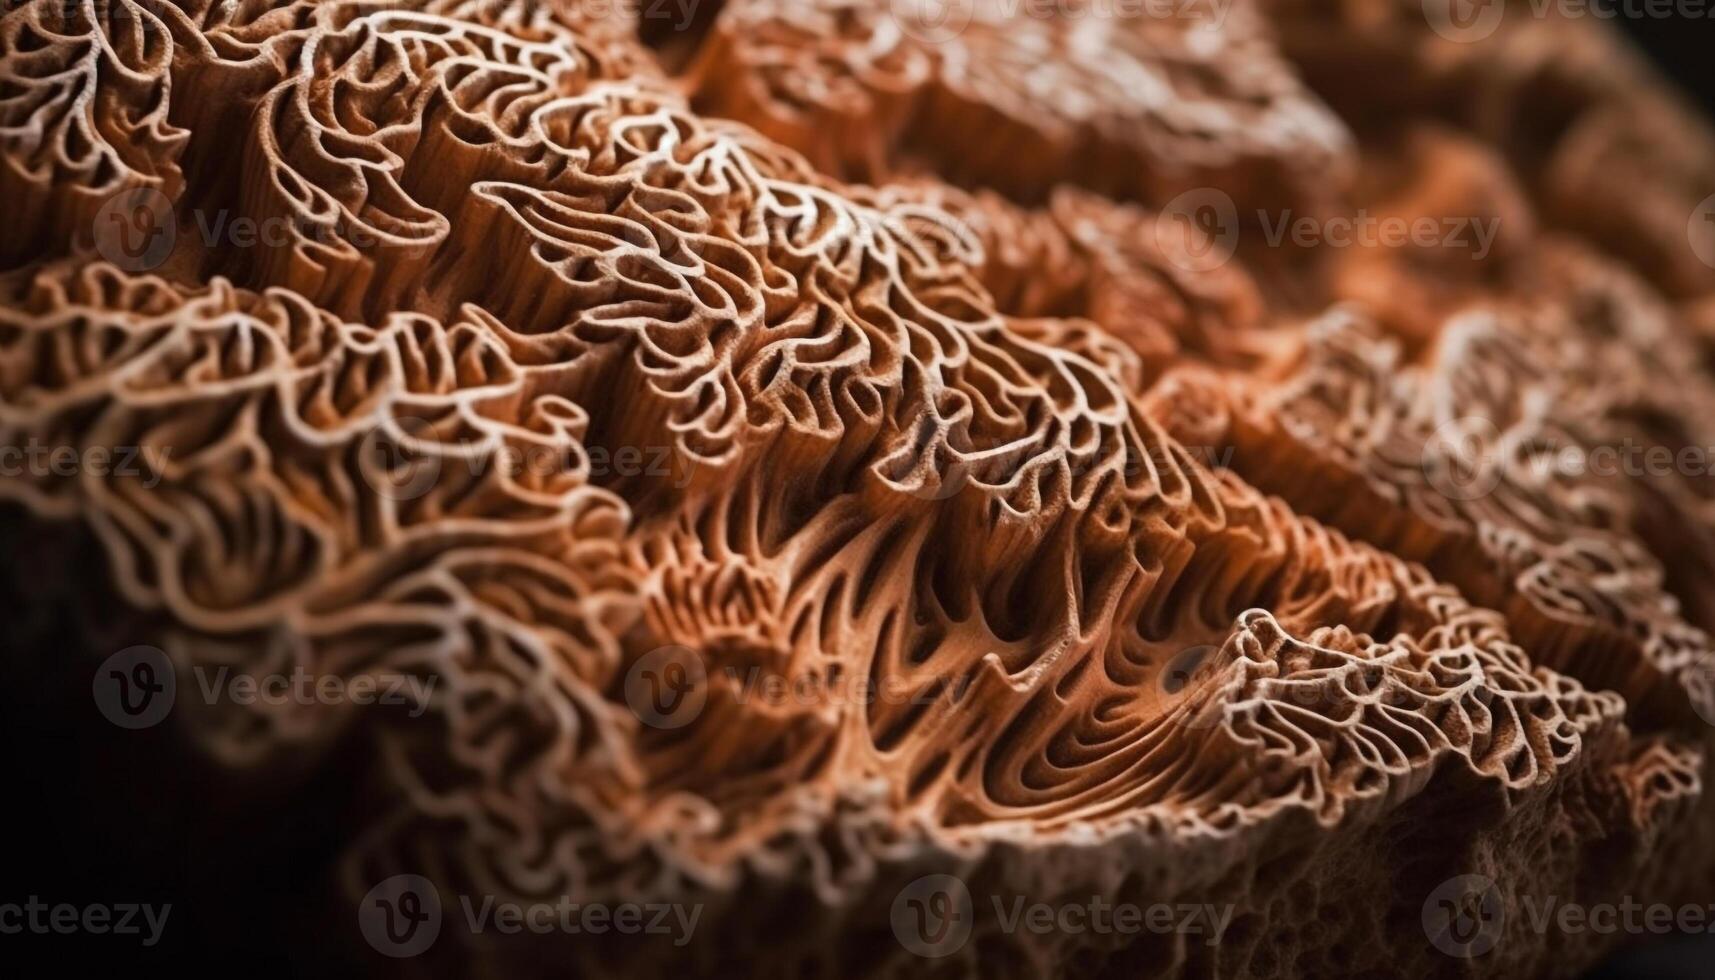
(997, 533)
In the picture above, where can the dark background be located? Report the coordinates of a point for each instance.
(1684, 50)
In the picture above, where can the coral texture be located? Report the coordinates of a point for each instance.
(801, 452)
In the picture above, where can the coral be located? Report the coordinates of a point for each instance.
(796, 454)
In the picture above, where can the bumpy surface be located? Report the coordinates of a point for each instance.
(810, 348)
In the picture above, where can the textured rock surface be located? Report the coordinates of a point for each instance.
(1089, 566)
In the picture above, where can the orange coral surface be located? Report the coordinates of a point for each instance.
(843, 471)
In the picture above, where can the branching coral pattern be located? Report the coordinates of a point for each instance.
(987, 534)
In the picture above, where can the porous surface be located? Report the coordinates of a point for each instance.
(932, 404)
